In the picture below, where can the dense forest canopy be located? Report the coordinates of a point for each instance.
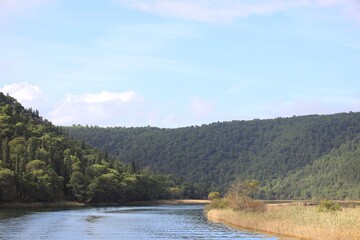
(315, 156)
(40, 164)
(277, 152)
(334, 176)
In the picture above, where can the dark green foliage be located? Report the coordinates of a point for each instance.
(39, 163)
(215, 155)
(7, 185)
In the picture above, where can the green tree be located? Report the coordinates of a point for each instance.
(107, 188)
(7, 185)
(32, 145)
(6, 152)
(78, 184)
(18, 153)
(45, 184)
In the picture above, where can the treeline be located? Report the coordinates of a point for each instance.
(39, 164)
(217, 154)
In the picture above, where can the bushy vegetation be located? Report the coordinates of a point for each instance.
(39, 164)
(240, 196)
(213, 195)
(328, 206)
(299, 157)
(219, 203)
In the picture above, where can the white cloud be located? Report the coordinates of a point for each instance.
(229, 10)
(104, 97)
(27, 94)
(104, 108)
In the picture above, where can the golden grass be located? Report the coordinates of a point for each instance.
(296, 220)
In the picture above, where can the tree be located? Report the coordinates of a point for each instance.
(5, 151)
(32, 145)
(18, 153)
(107, 188)
(7, 185)
(45, 185)
(239, 196)
(78, 184)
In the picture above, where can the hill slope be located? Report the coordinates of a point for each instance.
(38, 163)
(219, 153)
(334, 175)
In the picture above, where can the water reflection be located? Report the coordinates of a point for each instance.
(155, 222)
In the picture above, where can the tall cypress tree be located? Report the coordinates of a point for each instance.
(5, 152)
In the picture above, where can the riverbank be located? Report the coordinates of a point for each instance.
(175, 201)
(295, 220)
(66, 204)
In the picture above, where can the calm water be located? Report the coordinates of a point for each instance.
(154, 222)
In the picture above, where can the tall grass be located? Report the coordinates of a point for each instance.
(296, 220)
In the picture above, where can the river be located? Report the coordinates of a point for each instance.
(150, 222)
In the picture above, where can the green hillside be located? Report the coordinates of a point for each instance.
(217, 154)
(39, 164)
(334, 175)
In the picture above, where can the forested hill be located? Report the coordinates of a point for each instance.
(39, 164)
(334, 175)
(218, 153)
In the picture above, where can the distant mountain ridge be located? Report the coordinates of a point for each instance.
(217, 154)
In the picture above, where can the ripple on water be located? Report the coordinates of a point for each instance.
(153, 222)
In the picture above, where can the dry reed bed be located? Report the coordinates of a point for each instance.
(296, 220)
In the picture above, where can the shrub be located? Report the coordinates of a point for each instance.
(329, 206)
(255, 206)
(213, 195)
(218, 203)
(239, 197)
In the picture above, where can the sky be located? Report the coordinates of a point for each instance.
(176, 63)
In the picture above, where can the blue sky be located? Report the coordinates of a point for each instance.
(173, 63)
